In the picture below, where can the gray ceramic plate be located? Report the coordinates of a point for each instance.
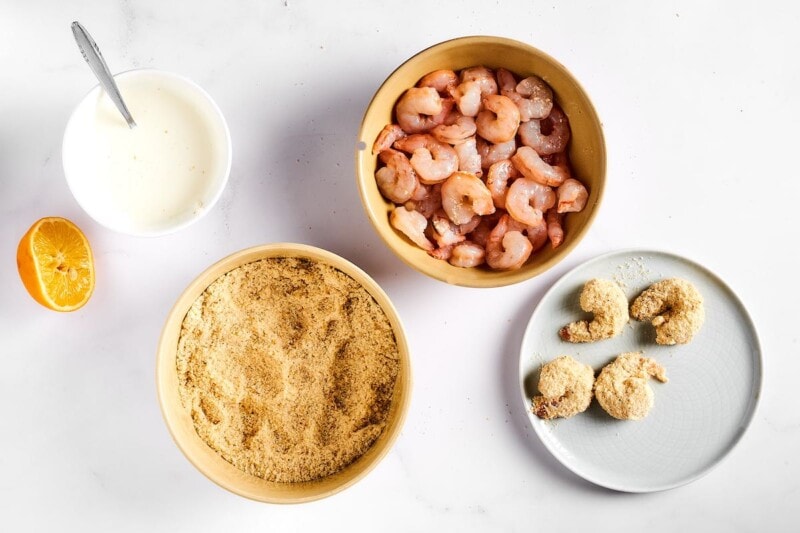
(698, 417)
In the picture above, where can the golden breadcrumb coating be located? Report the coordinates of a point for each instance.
(610, 307)
(566, 387)
(622, 389)
(674, 306)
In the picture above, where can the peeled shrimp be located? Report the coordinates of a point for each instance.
(497, 181)
(533, 96)
(386, 138)
(499, 121)
(606, 300)
(416, 108)
(427, 199)
(412, 224)
(468, 158)
(492, 153)
(555, 231)
(572, 196)
(397, 181)
(443, 253)
(537, 234)
(505, 249)
(537, 98)
(445, 232)
(674, 306)
(456, 132)
(468, 98)
(441, 80)
(526, 201)
(433, 161)
(530, 133)
(532, 166)
(480, 235)
(467, 254)
(483, 76)
(464, 195)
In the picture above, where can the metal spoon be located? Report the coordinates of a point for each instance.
(91, 53)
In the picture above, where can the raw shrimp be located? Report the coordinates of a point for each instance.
(481, 232)
(555, 231)
(386, 138)
(526, 201)
(464, 195)
(397, 181)
(470, 226)
(468, 98)
(492, 153)
(412, 224)
(606, 300)
(427, 199)
(433, 161)
(442, 253)
(483, 76)
(674, 306)
(447, 109)
(530, 133)
(536, 98)
(622, 388)
(537, 234)
(499, 121)
(506, 249)
(572, 196)
(456, 132)
(445, 232)
(497, 181)
(416, 108)
(533, 96)
(468, 158)
(532, 166)
(441, 80)
(467, 254)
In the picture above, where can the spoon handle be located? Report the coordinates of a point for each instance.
(91, 53)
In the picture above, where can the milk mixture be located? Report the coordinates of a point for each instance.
(157, 175)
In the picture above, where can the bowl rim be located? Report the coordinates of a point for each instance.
(227, 150)
(495, 278)
(165, 359)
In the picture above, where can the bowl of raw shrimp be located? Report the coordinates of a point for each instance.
(481, 162)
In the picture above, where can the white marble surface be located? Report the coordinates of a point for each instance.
(700, 108)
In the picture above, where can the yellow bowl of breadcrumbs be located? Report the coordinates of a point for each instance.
(283, 373)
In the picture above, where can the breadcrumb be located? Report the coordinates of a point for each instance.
(622, 389)
(606, 300)
(566, 387)
(674, 306)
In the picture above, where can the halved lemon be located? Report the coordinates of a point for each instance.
(55, 263)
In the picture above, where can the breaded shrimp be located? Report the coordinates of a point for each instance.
(606, 300)
(566, 387)
(674, 306)
(621, 388)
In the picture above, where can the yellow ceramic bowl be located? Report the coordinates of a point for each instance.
(587, 149)
(207, 460)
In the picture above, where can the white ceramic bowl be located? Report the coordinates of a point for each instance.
(158, 177)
